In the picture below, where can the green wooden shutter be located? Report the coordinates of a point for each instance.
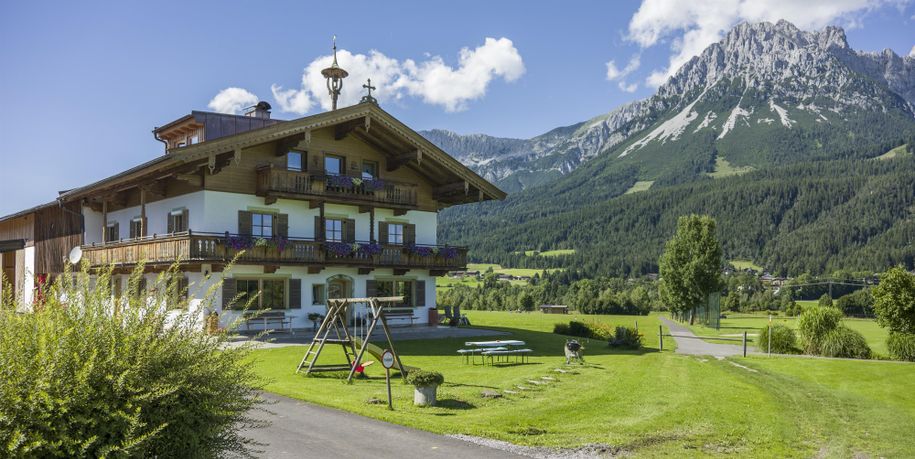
(383, 232)
(420, 294)
(244, 222)
(282, 225)
(115, 232)
(349, 230)
(319, 229)
(171, 223)
(409, 234)
(295, 293)
(371, 288)
(228, 292)
(317, 162)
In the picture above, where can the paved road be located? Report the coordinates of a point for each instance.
(302, 430)
(687, 343)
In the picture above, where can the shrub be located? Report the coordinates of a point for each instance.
(814, 324)
(579, 329)
(86, 376)
(844, 342)
(901, 346)
(602, 331)
(423, 378)
(825, 301)
(783, 341)
(894, 301)
(627, 338)
(561, 329)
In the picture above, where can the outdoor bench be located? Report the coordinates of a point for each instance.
(268, 317)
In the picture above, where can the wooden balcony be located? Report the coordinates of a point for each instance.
(192, 247)
(273, 182)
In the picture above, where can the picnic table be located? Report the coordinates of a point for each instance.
(494, 350)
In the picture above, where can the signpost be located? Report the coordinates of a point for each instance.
(387, 361)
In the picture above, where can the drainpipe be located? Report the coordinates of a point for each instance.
(156, 136)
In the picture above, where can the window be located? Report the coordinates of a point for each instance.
(369, 169)
(262, 225)
(270, 293)
(177, 221)
(317, 294)
(193, 139)
(294, 161)
(395, 233)
(136, 227)
(396, 288)
(111, 232)
(333, 165)
(333, 230)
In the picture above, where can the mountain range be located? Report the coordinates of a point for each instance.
(767, 97)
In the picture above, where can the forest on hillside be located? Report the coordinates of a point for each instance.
(804, 217)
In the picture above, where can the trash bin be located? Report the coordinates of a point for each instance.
(433, 317)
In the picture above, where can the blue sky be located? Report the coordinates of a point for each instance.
(84, 83)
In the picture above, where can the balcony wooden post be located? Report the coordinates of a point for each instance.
(104, 221)
(372, 225)
(142, 212)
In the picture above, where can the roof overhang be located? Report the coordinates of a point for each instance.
(12, 245)
(366, 121)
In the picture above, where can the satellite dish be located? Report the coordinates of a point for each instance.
(75, 255)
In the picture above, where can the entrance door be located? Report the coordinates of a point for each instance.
(341, 287)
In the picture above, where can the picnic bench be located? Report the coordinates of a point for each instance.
(497, 351)
(266, 318)
(400, 314)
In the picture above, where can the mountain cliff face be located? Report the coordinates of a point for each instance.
(773, 131)
(763, 86)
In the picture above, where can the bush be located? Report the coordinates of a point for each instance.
(814, 324)
(423, 378)
(602, 331)
(825, 301)
(626, 338)
(894, 301)
(561, 329)
(901, 346)
(845, 342)
(579, 329)
(784, 340)
(85, 376)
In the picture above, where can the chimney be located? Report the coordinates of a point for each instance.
(261, 110)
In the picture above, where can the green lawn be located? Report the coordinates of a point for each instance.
(549, 253)
(746, 264)
(725, 169)
(898, 151)
(646, 403)
(641, 185)
(735, 324)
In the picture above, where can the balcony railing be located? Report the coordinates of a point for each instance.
(192, 247)
(272, 181)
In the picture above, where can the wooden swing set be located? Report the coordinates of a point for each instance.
(335, 330)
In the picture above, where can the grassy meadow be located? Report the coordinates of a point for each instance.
(448, 282)
(644, 403)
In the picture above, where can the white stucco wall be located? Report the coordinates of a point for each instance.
(28, 278)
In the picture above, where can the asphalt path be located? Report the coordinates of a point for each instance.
(687, 343)
(299, 429)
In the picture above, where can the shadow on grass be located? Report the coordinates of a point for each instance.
(454, 404)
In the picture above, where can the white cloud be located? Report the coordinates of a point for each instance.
(912, 52)
(628, 87)
(614, 73)
(291, 100)
(432, 80)
(232, 100)
(691, 26)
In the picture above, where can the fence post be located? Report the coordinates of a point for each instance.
(744, 344)
(661, 337)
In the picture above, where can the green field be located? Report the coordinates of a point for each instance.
(448, 282)
(898, 151)
(549, 253)
(725, 169)
(735, 324)
(746, 264)
(641, 185)
(645, 404)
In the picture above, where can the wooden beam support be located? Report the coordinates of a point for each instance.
(270, 269)
(400, 272)
(398, 212)
(315, 269)
(314, 203)
(191, 179)
(451, 189)
(438, 272)
(236, 155)
(364, 209)
(284, 145)
(364, 271)
(268, 200)
(344, 129)
(142, 212)
(396, 162)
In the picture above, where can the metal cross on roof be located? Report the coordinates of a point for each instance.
(369, 98)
